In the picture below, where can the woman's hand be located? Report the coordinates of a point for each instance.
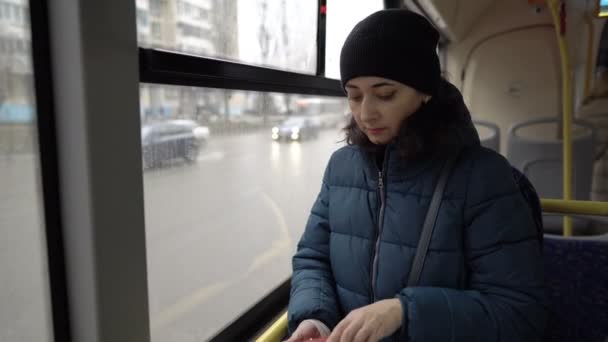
(369, 323)
(306, 330)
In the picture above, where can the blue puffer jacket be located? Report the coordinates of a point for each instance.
(482, 280)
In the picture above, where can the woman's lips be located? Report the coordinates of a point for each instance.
(375, 131)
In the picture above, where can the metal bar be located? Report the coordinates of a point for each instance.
(253, 322)
(47, 147)
(277, 330)
(575, 207)
(566, 108)
(321, 36)
(165, 67)
(96, 91)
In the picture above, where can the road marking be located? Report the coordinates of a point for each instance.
(186, 304)
(279, 246)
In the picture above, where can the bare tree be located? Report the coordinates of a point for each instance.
(225, 40)
(286, 47)
(264, 102)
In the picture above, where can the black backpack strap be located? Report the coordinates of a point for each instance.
(429, 221)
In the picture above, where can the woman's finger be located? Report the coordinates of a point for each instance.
(349, 332)
(296, 337)
(336, 334)
(372, 339)
(304, 332)
(293, 338)
(363, 334)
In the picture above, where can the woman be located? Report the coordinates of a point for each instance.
(482, 280)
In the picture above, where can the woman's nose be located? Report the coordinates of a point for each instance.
(369, 111)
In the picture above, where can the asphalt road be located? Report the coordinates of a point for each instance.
(221, 232)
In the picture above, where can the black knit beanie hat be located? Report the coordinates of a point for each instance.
(397, 44)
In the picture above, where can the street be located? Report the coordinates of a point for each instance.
(220, 234)
(24, 293)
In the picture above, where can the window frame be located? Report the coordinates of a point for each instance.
(96, 248)
(50, 56)
(49, 169)
(175, 68)
(171, 68)
(161, 67)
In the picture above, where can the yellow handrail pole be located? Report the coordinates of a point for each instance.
(589, 66)
(277, 330)
(575, 207)
(566, 108)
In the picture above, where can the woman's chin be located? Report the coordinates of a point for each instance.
(378, 140)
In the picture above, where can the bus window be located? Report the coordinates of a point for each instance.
(225, 208)
(24, 292)
(342, 15)
(280, 34)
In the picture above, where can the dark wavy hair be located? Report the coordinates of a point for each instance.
(424, 133)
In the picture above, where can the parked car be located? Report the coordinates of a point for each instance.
(296, 128)
(172, 139)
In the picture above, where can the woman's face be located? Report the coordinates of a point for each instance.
(380, 105)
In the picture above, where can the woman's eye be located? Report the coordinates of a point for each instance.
(386, 97)
(355, 98)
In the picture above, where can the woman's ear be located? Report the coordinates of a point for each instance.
(426, 98)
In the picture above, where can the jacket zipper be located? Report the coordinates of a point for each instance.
(379, 228)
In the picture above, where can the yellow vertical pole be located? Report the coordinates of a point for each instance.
(554, 6)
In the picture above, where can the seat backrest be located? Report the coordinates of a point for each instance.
(545, 174)
(577, 288)
(541, 159)
(489, 134)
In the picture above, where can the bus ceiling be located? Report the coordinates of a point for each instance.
(455, 19)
